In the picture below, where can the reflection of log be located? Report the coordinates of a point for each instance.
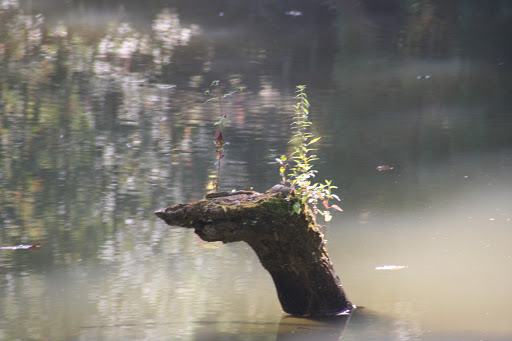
(318, 329)
(288, 245)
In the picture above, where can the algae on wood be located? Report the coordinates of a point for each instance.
(288, 245)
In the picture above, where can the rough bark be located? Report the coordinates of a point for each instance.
(288, 245)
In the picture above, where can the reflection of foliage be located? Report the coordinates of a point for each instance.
(86, 132)
(123, 45)
(428, 25)
(94, 135)
(26, 38)
(21, 33)
(51, 134)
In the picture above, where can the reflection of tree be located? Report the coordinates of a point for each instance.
(430, 27)
(411, 93)
(98, 127)
(58, 134)
(92, 139)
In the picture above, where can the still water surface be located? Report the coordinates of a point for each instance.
(103, 121)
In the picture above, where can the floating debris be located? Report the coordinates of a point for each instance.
(384, 168)
(21, 247)
(390, 267)
(293, 13)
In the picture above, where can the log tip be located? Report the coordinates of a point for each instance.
(160, 213)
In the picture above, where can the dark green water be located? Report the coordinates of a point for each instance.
(103, 121)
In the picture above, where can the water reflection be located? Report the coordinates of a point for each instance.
(329, 329)
(452, 248)
(103, 120)
(93, 140)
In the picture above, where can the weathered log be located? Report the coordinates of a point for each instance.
(289, 245)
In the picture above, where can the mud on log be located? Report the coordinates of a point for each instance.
(288, 245)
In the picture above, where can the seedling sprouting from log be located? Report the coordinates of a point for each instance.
(302, 157)
(219, 132)
(219, 147)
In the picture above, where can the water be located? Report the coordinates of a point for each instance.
(103, 121)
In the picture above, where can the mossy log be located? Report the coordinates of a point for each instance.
(289, 245)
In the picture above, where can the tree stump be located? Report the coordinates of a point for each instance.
(289, 245)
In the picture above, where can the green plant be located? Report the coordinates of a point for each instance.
(219, 132)
(301, 170)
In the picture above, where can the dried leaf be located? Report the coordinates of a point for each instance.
(219, 139)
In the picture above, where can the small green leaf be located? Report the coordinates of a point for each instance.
(314, 140)
(296, 207)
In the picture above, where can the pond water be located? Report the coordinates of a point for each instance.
(104, 119)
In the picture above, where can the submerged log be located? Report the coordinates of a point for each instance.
(289, 245)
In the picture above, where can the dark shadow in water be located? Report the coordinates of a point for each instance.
(322, 329)
(289, 328)
(365, 324)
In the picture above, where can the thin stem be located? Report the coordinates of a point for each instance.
(219, 154)
(218, 173)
